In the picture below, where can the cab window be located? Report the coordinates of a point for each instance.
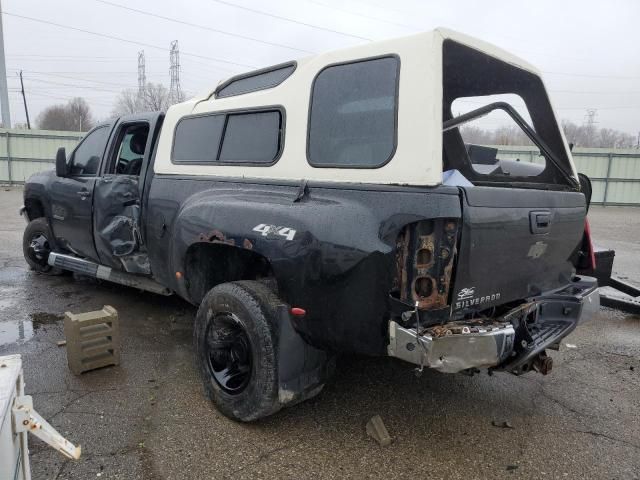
(86, 157)
(132, 142)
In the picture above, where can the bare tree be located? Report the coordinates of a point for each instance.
(589, 136)
(579, 135)
(128, 102)
(80, 114)
(153, 98)
(75, 116)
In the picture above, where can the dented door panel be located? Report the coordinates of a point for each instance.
(117, 223)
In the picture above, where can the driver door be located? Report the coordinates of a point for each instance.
(117, 200)
(72, 196)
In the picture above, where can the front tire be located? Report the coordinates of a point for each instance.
(37, 243)
(235, 336)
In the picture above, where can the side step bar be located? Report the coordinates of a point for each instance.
(91, 269)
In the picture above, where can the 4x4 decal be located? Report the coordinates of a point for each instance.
(273, 231)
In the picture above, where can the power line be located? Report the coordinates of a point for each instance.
(203, 27)
(369, 17)
(286, 19)
(588, 75)
(57, 75)
(120, 39)
(57, 97)
(90, 87)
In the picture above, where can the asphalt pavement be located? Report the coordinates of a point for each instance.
(148, 417)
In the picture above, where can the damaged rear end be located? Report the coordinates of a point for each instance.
(497, 287)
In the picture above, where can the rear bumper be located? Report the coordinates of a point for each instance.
(511, 342)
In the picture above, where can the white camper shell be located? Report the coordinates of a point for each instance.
(430, 68)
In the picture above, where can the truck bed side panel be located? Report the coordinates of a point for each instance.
(338, 265)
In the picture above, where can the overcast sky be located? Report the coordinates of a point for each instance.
(589, 51)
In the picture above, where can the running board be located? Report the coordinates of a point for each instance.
(91, 269)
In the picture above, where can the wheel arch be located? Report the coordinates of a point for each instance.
(207, 264)
(34, 208)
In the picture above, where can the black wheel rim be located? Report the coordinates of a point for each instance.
(39, 249)
(229, 353)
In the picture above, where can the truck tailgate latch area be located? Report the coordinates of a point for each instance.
(540, 221)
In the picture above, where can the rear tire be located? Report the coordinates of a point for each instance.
(235, 336)
(37, 243)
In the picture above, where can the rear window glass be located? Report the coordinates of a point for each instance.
(352, 120)
(251, 137)
(244, 137)
(256, 81)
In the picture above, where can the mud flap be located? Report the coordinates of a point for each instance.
(302, 369)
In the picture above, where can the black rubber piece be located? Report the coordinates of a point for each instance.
(38, 230)
(253, 306)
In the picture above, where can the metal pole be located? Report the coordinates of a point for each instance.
(24, 99)
(606, 179)
(4, 92)
(9, 158)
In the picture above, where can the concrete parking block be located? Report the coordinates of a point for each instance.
(93, 339)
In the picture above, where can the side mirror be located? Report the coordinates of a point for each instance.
(61, 162)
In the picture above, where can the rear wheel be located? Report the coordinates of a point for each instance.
(37, 244)
(235, 342)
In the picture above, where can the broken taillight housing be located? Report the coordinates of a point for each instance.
(425, 253)
(587, 246)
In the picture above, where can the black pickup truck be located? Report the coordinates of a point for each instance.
(333, 205)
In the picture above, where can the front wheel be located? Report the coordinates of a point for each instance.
(236, 347)
(37, 244)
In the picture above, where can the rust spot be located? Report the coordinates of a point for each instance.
(424, 257)
(423, 287)
(216, 236)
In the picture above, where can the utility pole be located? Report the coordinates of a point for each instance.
(4, 91)
(175, 93)
(24, 99)
(142, 76)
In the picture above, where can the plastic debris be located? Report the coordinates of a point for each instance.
(377, 430)
(502, 424)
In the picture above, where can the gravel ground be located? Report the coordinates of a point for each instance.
(148, 418)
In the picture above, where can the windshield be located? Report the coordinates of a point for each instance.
(513, 110)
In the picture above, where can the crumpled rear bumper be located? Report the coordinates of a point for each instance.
(513, 342)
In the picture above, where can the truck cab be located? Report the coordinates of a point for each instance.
(93, 201)
(336, 204)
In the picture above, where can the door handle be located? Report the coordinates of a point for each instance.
(83, 194)
(543, 220)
